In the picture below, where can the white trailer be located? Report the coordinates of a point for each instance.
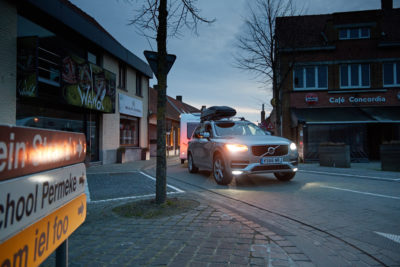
(189, 123)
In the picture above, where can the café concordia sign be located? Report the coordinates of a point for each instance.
(42, 185)
(344, 99)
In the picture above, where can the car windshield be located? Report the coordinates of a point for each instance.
(229, 128)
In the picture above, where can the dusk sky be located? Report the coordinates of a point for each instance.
(203, 72)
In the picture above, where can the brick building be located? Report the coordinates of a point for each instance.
(341, 80)
(175, 107)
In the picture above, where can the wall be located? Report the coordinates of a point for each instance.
(8, 66)
(109, 129)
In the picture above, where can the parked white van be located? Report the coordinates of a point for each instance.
(189, 122)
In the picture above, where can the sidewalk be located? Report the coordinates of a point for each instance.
(371, 170)
(208, 235)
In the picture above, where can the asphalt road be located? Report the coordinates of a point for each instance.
(331, 215)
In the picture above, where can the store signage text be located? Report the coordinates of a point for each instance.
(42, 192)
(354, 99)
(130, 106)
(24, 201)
(34, 244)
(90, 100)
(28, 150)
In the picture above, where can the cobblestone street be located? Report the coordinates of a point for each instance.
(205, 236)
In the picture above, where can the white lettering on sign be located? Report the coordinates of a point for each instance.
(353, 99)
(15, 155)
(336, 100)
(87, 99)
(378, 99)
(25, 200)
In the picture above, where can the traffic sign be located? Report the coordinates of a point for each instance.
(25, 200)
(25, 150)
(34, 244)
(152, 59)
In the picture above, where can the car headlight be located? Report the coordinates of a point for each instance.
(293, 146)
(236, 148)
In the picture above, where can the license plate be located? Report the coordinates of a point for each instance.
(271, 160)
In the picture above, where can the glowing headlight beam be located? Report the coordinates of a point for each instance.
(236, 148)
(293, 146)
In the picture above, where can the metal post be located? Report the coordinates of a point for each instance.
(62, 254)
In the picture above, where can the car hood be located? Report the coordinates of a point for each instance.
(256, 140)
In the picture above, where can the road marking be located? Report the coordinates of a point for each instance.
(360, 192)
(351, 175)
(395, 238)
(178, 191)
(131, 197)
(170, 186)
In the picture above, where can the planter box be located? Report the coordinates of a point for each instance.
(334, 156)
(390, 157)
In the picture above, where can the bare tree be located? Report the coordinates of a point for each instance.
(258, 46)
(153, 19)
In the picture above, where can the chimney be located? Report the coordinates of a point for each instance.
(387, 4)
(262, 114)
(179, 98)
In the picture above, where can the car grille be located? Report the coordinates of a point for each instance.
(270, 167)
(280, 150)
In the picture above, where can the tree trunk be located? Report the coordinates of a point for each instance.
(161, 170)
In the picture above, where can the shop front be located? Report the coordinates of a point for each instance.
(363, 121)
(59, 89)
(131, 114)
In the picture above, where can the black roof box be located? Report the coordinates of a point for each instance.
(217, 112)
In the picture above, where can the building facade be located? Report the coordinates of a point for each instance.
(175, 107)
(61, 70)
(340, 80)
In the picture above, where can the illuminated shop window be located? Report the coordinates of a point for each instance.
(129, 132)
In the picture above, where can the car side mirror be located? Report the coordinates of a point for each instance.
(206, 135)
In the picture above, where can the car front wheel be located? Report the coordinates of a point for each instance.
(284, 176)
(221, 175)
(191, 167)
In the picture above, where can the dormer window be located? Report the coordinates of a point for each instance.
(354, 33)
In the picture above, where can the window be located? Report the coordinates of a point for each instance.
(196, 133)
(138, 84)
(391, 74)
(354, 33)
(122, 76)
(191, 126)
(354, 76)
(129, 131)
(311, 77)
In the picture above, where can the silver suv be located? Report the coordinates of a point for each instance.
(235, 147)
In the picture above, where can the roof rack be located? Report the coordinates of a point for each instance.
(217, 112)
